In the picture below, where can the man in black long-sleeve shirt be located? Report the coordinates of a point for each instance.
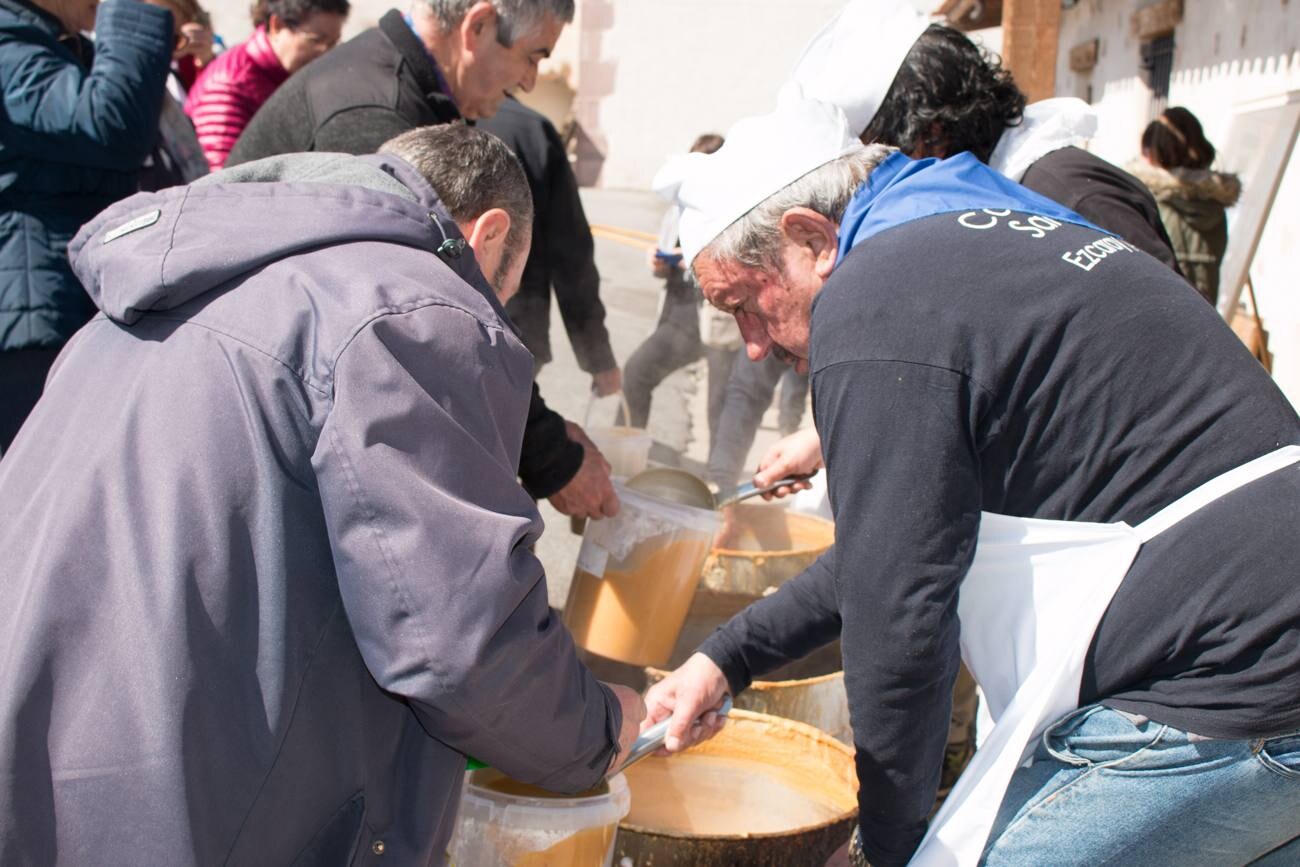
(969, 355)
(563, 255)
(943, 96)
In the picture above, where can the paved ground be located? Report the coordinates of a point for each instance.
(631, 296)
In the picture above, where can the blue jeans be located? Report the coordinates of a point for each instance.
(1109, 788)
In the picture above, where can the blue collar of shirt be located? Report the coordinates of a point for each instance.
(901, 190)
(437, 70)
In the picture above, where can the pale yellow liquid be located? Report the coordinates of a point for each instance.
(495, 781)
(715, 796)
(586, 848)
(760, 775)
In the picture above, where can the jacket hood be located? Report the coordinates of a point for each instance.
(1197, 185)
(157, 251)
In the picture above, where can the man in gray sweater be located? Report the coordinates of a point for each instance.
(269, 571)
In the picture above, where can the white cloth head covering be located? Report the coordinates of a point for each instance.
(762, 155)
(1048, 125)
(853, 60)
(665, 184)
(670, 175)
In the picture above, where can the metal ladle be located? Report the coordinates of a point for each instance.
(688, 489)
(653, 738)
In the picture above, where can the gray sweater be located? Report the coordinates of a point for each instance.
(268, 571)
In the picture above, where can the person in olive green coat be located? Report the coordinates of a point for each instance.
(1175, 166)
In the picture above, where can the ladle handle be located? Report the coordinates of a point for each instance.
(749, 489)
(653, 738)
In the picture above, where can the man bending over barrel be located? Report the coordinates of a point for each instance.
(268, 569)
(1020, 414)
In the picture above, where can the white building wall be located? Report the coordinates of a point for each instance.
(1225, 52)
(650, 75)
(654, 74)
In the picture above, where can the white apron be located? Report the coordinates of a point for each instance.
(1029, 607)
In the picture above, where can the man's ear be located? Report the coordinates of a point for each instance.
(814, 233)
(479, 21)
(488, 238)
(274, 24)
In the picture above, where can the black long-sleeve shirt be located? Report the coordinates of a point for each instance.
(563, 253)
(957, 371)
(1106, 195)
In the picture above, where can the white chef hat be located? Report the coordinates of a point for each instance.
(853, 60)
(763, 155)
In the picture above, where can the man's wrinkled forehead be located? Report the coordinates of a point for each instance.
(727, 283)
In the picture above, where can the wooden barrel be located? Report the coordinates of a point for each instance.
(766, 792)
(773, 544)
(818, 700)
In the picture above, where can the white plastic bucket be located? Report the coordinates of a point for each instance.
(636, 575)
(626, 448)
(524, 827)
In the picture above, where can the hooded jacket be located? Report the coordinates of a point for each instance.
(75, 124)
(269, 572)
(1193, 205)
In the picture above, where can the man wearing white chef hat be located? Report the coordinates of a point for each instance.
(1047, 456)
(930, 91)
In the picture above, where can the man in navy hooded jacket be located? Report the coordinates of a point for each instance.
(267, 570)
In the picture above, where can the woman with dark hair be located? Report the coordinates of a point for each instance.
(949, 96)
(289, 35)
(1175, 166)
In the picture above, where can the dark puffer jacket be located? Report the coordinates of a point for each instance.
(1192, 206)
(76, 124)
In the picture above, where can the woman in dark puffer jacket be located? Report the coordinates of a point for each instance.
(77, 121)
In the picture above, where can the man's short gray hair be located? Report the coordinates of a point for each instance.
(472, 172)
(514, 17)
(755, 239)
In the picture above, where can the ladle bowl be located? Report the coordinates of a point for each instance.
(688, 489)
